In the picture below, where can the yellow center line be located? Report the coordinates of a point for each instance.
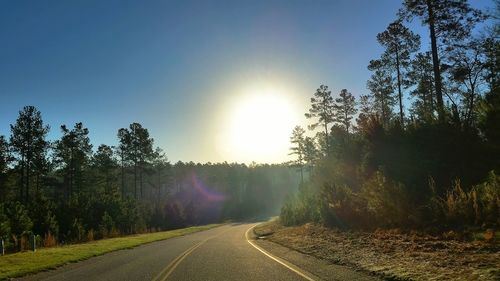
(284, 263)
(165, 273)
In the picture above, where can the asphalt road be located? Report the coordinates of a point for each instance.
(222, 253)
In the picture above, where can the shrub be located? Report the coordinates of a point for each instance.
(342, 207)
(289, 211)
(301, 208)
(479, 206)
(19, 220)
(4, 224)
(106, 225)
(488, 194)
(459, 206)
(387, 201)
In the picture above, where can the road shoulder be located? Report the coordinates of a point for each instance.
(318, 267)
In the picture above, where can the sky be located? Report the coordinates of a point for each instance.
(182, 68)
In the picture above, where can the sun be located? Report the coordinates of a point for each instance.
(259, 128)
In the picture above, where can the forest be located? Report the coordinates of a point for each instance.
(67, 191)
(422, 149)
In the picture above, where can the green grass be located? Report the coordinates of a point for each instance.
(19, 264)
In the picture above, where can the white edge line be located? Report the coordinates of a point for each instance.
(276, 259)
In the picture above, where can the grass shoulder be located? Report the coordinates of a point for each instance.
(23, 263)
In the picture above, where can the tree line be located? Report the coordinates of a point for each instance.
(66, 191)
(424, 150)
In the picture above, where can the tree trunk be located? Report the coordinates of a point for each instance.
(401, 116)
(135, 180)
(123, 174)
(431, 98)
(140, 180)
(346, 122)
(471, 105)
(159, 184)
(382, 95)
(21, 188)
(435, 62)
(301, 174)
(28, 168)
(327, 140)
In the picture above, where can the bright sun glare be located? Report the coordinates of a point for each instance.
(260, 127)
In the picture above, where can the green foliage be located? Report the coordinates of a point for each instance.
(29, 147)
(72, 155)
(107, 224)
(345, 109)
(388, 202)
(19, 219)
(341, 207)
(137, 149)
(4, 223)
(426, 174)
(382, 91)
(478, 206)
(300, 208)
(290, 214)
(322, 109)
(77, 195)
(399, 43)
(42, 212)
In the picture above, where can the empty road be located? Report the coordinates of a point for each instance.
(222, 253)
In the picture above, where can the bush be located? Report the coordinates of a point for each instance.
(489, 200)
(388, 202)
(478, 206)
(341, 207)
(20, 222)
(4, 224)
(300, 208)
(290, 214)
(107, 225)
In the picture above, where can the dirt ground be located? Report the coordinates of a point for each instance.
(393, 254)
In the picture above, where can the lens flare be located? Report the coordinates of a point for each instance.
(210, 195)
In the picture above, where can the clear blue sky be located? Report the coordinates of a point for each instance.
(171, 65)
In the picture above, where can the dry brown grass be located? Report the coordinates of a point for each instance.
(49, 240)
(394, 253)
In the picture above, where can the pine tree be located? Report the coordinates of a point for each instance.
(449, 21)
(298, 149)
(399, 43)
(468, 66)
(322, 108)
(105, 164)
(138, 149)
(28, 143)
(72, 154)
(366, 111)
(420, 75)
(345, 109)
(310, 153)
(4, 165)
(380, 86)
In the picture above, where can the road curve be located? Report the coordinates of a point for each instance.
(222, 253)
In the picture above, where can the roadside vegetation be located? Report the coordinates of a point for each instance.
(432, 166)
(394, 254)
(19, 264)
(64, 191)
(418, 181)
